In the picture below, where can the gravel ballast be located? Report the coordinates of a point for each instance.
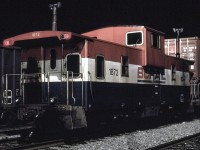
(138, 140)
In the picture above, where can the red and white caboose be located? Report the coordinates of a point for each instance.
(105, 72)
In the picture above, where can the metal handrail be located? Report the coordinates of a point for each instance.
(46, 76)
(194, 90)
(72, 88)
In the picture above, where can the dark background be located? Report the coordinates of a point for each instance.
(20, 16)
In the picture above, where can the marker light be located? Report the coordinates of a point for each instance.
(6, 43)
(65, 36)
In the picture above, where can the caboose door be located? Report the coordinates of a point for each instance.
(53, 74)
(64, 83)
(73, 79)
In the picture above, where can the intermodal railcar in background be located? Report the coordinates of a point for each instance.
(189, 49)
(68, 79)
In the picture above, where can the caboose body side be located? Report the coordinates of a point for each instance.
(99, 75)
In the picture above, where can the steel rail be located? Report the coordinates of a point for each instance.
(174, 142)
(37, 145)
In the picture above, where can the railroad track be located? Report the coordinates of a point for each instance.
(186, 143)
(13, 135)
(14, 132)
(13, 129)
(45, 142)
(41, 142)
(77, 138)
(38, 145)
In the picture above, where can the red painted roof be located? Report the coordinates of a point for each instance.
(36, 35)
(117, 34)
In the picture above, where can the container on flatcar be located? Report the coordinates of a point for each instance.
(189, 49)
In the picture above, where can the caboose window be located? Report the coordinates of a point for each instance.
(124, 67)
(155, 40)
(53, 59)
(73, 64)
(32, 65)
(173, 70)
(100, 67)
(134, 38)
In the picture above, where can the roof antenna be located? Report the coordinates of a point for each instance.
(178, 31)
(54, 8)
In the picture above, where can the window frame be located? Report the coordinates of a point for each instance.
(65, 64)
(96, 67)
(158, 40)
(53, 59)
(142, 38)
(123, 73)
(173, 72)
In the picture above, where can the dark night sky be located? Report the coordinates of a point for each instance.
(20, 16)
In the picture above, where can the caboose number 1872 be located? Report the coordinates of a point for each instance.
(105, 73)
